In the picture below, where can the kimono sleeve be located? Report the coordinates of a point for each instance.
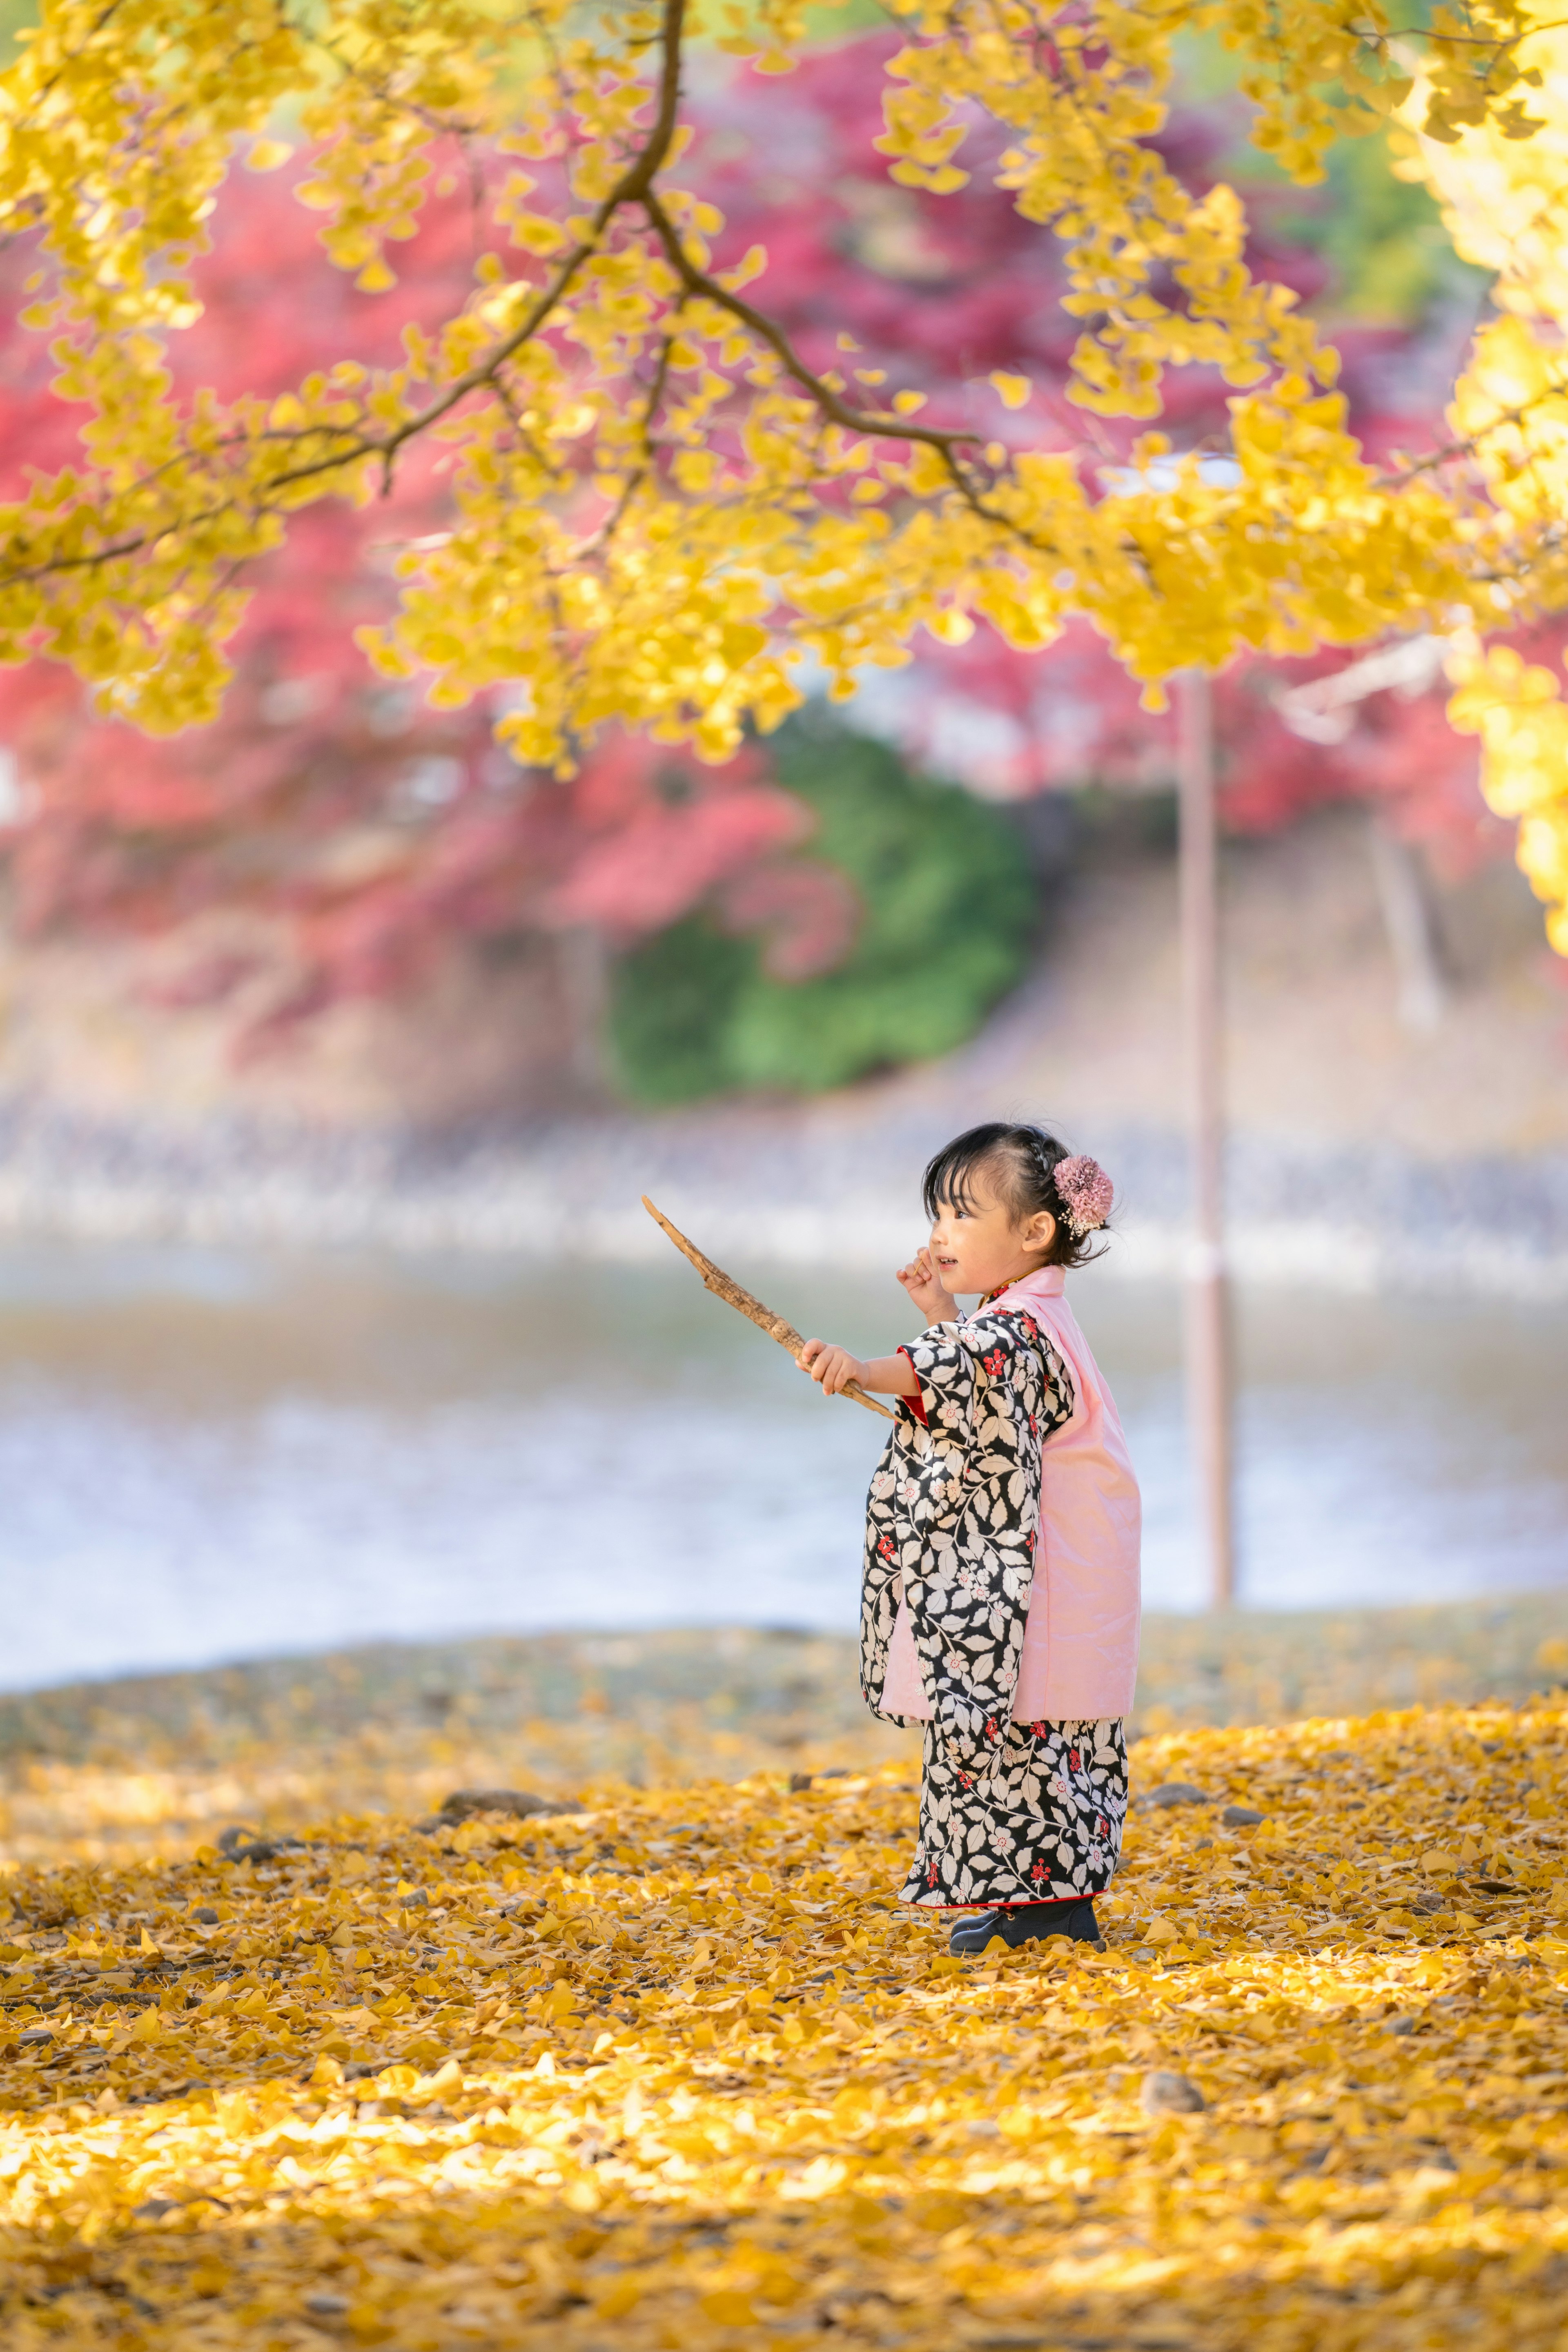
(951, 1361)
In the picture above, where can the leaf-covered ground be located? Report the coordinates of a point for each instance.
(151, 1764)
(674, 2070)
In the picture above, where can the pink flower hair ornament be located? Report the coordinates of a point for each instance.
(1085, 1192)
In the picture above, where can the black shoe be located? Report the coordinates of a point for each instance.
(1029, 1923)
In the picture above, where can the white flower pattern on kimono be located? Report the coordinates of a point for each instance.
(1009, 1813)
(1048, 1824)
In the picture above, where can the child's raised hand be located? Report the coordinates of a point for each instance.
(921, 1279)
(833, 1367)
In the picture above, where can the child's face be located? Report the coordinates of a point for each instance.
(977, 1245)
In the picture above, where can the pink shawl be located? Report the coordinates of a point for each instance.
(1079, 1658)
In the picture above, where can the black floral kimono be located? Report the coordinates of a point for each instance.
(1010, 1812)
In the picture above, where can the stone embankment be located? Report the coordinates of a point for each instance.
(826, 1183)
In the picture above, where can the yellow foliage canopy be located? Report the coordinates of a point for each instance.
(659, 509)
(676, 2070)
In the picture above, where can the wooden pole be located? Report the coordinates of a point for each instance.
(1407, 919)
(1206, 1303)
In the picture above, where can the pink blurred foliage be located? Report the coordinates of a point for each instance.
(1076, 716)
(647, 855)
(804, 913)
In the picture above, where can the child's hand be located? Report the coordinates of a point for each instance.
(833, 1367)
(923, 1284)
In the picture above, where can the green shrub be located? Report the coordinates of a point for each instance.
(947, 907)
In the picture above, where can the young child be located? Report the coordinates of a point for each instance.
(1000, 1596)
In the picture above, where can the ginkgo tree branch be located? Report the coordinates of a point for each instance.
(635, 186)
(1450, 39)
(882, 424)
(638, 474)
(1471, 444)
(879, 423)
(384, 447)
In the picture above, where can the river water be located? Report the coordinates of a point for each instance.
(207, 1456)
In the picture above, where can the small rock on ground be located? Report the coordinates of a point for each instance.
(519, 1802)
(1171, 2095)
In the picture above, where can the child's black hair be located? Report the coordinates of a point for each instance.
(1022, 1161)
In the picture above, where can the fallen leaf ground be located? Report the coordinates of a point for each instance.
(100, 1772)
(674, 2071)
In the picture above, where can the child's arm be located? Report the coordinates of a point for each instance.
(834, 1368)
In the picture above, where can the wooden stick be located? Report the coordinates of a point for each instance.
(716, 1280)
